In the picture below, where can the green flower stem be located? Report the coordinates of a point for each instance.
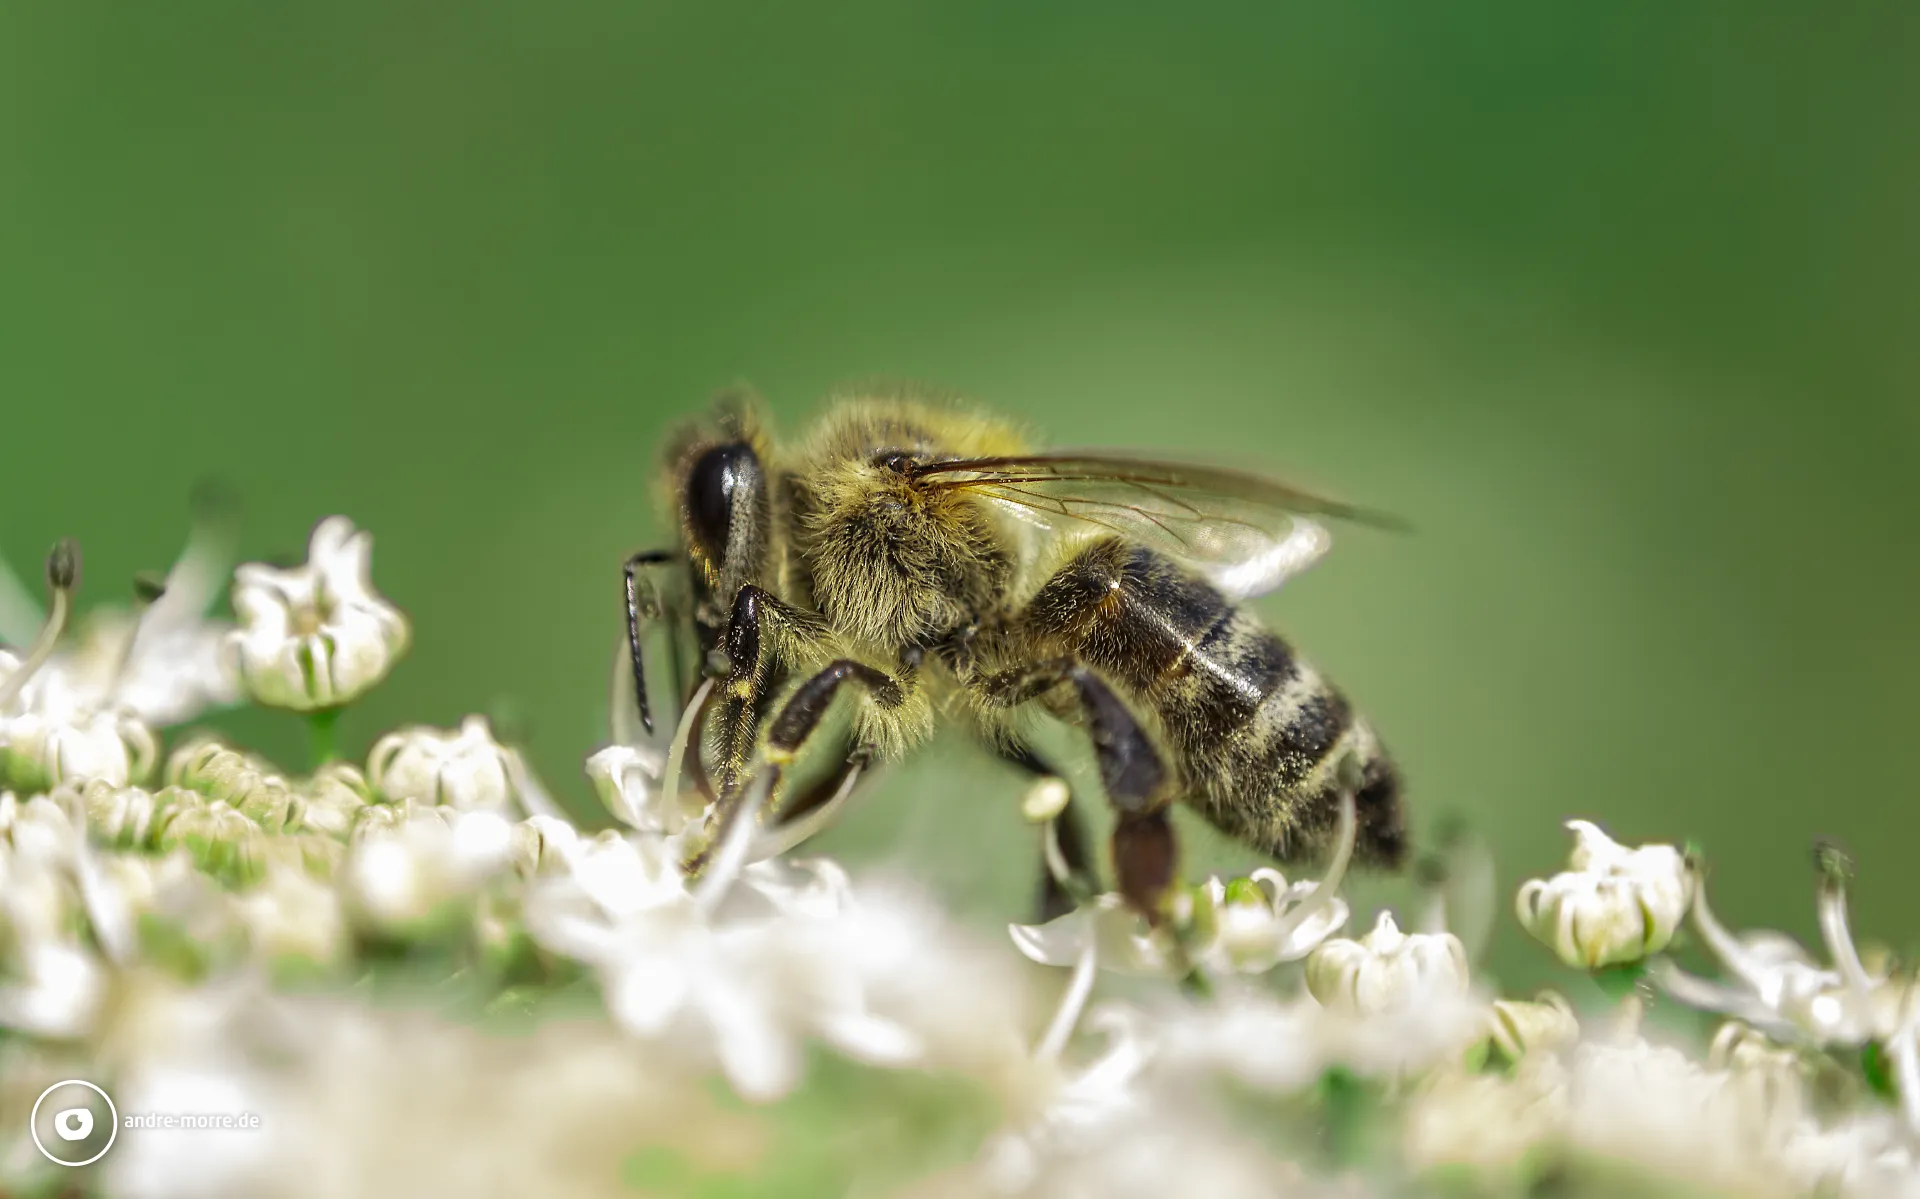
(1196, 985)
(320, 729)
(1618, 982)
(1350, 1106)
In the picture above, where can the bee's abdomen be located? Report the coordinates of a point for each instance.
(1258, 732)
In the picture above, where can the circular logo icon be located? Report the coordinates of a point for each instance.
(73, 1123)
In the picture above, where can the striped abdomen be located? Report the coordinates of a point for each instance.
(1257, 732)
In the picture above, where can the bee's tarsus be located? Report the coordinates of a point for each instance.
(1145, 860)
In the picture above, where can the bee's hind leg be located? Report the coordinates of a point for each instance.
(1135, 778)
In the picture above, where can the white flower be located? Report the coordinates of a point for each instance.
(620, 877)
(37, 830)
(59, 991)
(740, 988)
(627, 778)
(1247, 926)
(51, 983)
(1265, 920)
(161, 664)
(1777, 986)
(1867, 1155)
(399, 878)
(464, 768)
(1650, 1104)
(1284, 1045)
(1614, 905)
(318, 635)
(1080, 1111)
(1489, 1121)
(1117, 1127)
(50, 734)
(368, 1099)
(289, 914)
(1119, 937)
(1387, 969)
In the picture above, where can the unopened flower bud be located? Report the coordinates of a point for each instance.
(118, 816)
(335, 794)
(240, 780)
(1544, 1025)
(542, 844)
(222, 841)
(464, 768)
(1386, 969)
(1615, 905)
(51, 738)
(318, 635)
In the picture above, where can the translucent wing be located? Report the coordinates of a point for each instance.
(1247, 533)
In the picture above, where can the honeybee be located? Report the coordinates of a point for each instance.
(923, 559)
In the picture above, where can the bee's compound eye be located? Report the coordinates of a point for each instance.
(720, 478)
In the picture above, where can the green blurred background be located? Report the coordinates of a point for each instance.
(1618, 307)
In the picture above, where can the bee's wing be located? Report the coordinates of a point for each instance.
(1245, 532)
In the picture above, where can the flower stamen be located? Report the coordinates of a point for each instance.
(1831, 905)
(735, 840)
(1072, 1003)
(677, 752)
(63, 578)
(1324, 890)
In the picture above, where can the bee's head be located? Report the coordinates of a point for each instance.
(718, 493)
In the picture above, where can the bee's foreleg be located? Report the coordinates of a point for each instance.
(799, 717)
(761, 638)
(646, 604)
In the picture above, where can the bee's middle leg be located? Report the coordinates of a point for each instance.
(797, 721)
(1132, 772)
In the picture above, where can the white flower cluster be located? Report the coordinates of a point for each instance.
(201, 930)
